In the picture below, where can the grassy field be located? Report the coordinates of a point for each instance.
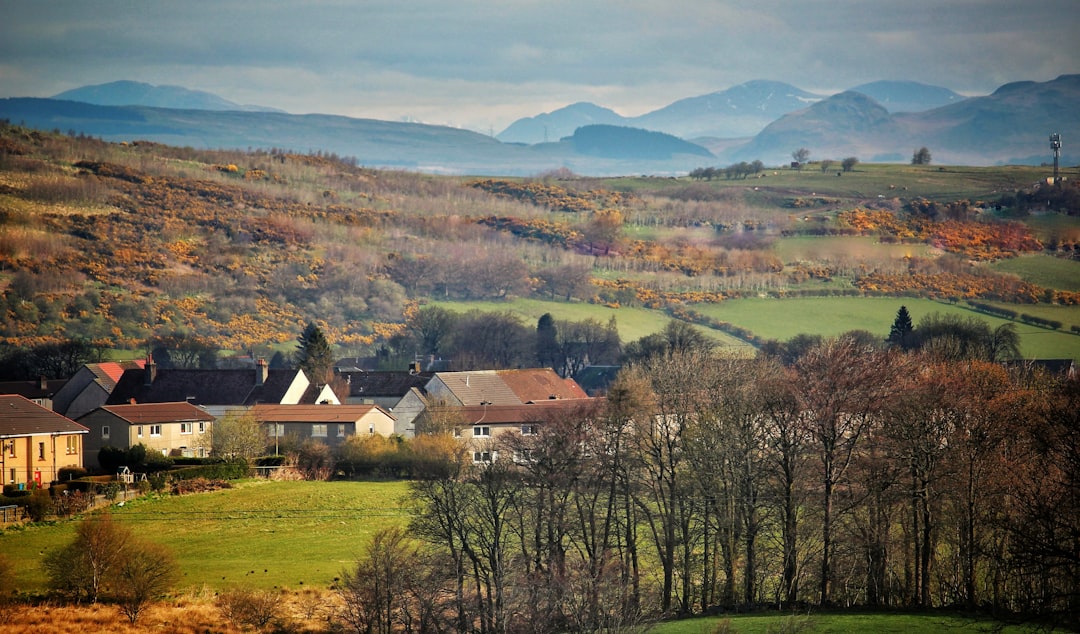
(633, 323)
(1045, 270)
(260, 534)
(829, 316)
(869, 180)
(782, 319)
(841, 623)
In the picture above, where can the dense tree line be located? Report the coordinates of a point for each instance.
(852, 474)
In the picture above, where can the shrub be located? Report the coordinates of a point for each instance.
(71, 473)
(38, 507)
(251, 608)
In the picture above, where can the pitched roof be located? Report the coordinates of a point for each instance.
(109, 372)
(150, 413)
(43, 388)
(312, 413)
(537, 384)
(390, 383)
(202, 387)
(20, 416)
(479, 386)
(536, 412)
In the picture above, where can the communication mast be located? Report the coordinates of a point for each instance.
(1055, 145)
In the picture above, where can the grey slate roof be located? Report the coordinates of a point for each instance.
(20, 416)
(202, 387)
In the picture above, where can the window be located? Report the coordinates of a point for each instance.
(481, 432)
(277, 429)
(11, 450)
(138, 431)
(529, 430)
(318, 430)
(482, 456)
(155, 430)
(41, 451)
(185, 428)
(371, 429)
(202, 429)
(72, 445)
(341, 430)
(105, 432)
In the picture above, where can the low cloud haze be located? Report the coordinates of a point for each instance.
(481, 64)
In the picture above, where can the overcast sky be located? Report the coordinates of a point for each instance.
(481, 64)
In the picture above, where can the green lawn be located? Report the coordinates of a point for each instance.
(258, 534)
(838, 623)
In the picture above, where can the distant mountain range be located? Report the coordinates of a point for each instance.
(738, 112)
(760, 120)
(134, 93)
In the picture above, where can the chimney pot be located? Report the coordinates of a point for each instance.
(261, 372)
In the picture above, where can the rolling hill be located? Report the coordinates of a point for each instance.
(134, 93)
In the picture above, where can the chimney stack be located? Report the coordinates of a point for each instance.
(150, 371)
(261, 372)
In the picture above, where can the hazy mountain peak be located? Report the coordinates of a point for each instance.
(134, 93)
(908, 96)
(554, 125)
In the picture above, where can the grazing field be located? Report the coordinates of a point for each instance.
(782, 319)
(1045, 270)
(633, 323)
(840, 623)
(259, 534)
(870, 180)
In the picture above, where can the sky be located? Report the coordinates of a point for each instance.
(482, 64)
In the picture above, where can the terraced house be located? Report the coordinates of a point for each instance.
(169, 428)
(36, 443)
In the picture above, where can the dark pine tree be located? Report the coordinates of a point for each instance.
(547, 343)
(314, 355)
(902, 332)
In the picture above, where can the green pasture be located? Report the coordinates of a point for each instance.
(1044, 270)
(633, 323)
(839, 623)
(259, 534)
(870, 180)
(782, 319)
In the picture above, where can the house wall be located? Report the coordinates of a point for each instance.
(38, 458)
(405, 412)
(171, 439)
(296, 389)
(124, 435)
(336, 433)
(375, 422)
(90, 398)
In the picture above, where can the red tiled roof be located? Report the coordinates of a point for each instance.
(150, 413)
(537, 384)
(528, 413)
(22, 417)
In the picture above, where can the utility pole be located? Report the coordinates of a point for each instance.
(1055, 145)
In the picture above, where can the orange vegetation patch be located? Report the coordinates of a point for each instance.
(303, 612)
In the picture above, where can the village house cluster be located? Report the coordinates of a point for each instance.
(48, 426)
